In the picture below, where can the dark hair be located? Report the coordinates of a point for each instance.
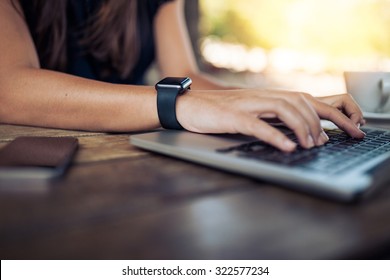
(111, 34)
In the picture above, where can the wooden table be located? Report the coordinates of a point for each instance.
(119, 202)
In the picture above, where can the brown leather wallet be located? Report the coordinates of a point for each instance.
(37, 155)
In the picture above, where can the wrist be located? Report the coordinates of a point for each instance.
(189, 109)
(168, 91)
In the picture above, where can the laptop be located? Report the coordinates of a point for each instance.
(344, 169)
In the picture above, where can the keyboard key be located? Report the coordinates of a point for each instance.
(338, 154)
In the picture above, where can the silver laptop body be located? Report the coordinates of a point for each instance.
(360, 178)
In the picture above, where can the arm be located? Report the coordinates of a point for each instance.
(242, 111)
(33, 96)
(175, 56)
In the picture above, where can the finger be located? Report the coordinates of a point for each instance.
(289, 115)
(341, 120)
(352, 110)
(265, 132)
(348, 105)
(300, 100)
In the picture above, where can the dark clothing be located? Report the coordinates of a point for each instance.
(80, 63)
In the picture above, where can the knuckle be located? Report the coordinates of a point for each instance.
(302, 95)
(333, 112)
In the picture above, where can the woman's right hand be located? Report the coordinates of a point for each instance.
(245, 111)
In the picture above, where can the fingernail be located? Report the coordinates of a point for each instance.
(289, 145)
(323, 138)
(358, 125)
(310, 142)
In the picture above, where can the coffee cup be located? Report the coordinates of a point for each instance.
(371, 90)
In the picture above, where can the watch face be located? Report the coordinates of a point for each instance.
(174, 82)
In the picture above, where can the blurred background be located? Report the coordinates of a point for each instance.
(300, 45)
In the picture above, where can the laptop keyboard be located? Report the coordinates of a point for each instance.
(339, 153)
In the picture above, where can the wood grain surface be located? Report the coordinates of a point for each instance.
(119, 202)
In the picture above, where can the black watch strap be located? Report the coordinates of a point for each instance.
(166, 108)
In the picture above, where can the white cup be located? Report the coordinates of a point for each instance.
(371, 90)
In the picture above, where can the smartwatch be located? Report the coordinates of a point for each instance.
(167, 91)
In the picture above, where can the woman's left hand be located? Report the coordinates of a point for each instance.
(342, 110)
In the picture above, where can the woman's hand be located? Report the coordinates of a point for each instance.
(246, 111)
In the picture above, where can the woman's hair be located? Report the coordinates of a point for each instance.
(110, 34)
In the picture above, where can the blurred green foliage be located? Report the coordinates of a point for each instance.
(335, 27)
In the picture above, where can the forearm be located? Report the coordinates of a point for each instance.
(52, 99)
